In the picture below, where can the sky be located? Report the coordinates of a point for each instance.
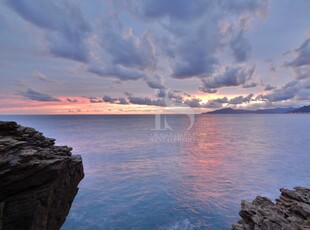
(145, 56)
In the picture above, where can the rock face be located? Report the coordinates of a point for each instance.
(38, 180)
(291, 211)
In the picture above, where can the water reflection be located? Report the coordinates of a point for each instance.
(134, 182)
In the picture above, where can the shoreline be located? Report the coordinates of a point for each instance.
(291, 211)
(38, 179)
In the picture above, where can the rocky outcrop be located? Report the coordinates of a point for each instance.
(38, 180)
(291, 211)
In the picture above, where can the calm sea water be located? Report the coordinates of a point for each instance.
(140, 178)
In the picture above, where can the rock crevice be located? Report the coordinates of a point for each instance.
(291, 211)
(38, 180)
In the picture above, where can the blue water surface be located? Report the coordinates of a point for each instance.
(140, 178)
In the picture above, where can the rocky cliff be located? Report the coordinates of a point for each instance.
(291, 211)
(38, 180)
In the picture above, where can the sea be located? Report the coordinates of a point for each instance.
(176, 172)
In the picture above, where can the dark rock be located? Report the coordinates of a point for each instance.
(291, 211)
(38, 180)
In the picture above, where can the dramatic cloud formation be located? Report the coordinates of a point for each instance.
(129, 50)
(127, 54)
(194, 47)
(228, 76)
(66, 27)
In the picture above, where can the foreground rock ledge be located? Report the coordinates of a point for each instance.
(38, 180)
(291, 211)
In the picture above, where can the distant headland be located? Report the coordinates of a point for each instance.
(304, 109)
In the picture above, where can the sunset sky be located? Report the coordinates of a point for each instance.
(130, 56)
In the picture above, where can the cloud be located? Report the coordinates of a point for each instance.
(67, 30)
(269, 87)
(249, 6)
(228, 76)
(94, 100)
(289, 91)
(177, 38)
(72, 100)
(221, 100)
(195, 57)
(168, 39)
(213, 105)
(216, 103)
(156, 82)
(250, 85)
(118, 71)
(177, 101)
(146, 101)
(192, 36)
(280, 95)
(241, 99)
(297, 89)
(40, 76)
(207, 90)
(122, 101)
(128, 94)
(193, 102)
(241, 47)
(167, 93)
(163, 102)
(122, 54)
(303, 55)
(119, 101)
(108, 99)
(128, 50)
(35, 95)
(178, 9)
(302, 72)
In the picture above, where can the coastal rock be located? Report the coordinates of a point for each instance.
(38, 180)
(291, 211)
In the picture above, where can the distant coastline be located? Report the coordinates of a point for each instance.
(304, 109)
